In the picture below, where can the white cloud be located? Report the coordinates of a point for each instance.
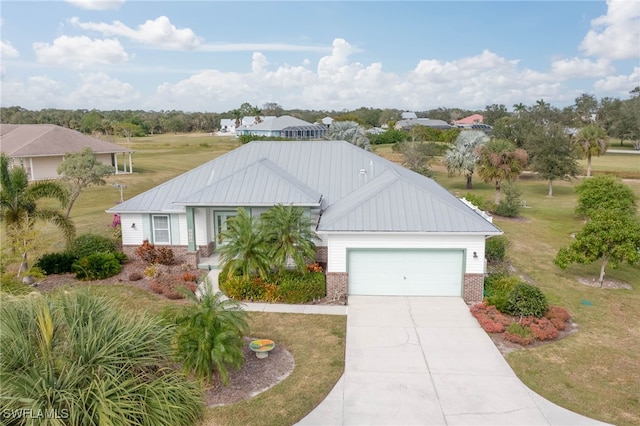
(621, 84)
(160, 33)
(97, 4)
(7, 50)
(616, 34)
(80, 52)
(581, 68)
(100, 89)
(36, 92)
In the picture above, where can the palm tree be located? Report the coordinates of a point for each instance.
(257, 114)
(244, 250)
(500, 160)
(237, 114)
(209, 335)
(83, 359)
(592, 140)
(349, 131)
(462, 158)
(288, 232)
(519, 108)
(18, 205)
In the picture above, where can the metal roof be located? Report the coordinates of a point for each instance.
(41, 140)
(276, 123)
(357, 190)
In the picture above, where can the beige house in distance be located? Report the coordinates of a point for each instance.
(40, 148)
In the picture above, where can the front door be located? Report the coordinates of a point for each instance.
(220, 224)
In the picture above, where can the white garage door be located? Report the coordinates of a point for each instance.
(398, 272)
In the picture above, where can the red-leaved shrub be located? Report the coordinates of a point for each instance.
(542, 328)
(558, 316)
(516, 338)
(489, 318)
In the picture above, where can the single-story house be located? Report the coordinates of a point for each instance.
(286, 127)
(383, 229)
(472, 119)
(428, 122)
(40, 148)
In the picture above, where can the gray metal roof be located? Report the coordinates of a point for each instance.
(41, 140)
(277, 123)
(356, 190)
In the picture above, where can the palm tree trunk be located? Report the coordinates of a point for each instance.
(550, 193)
(497, 198)
(588, 165)
(602, 267)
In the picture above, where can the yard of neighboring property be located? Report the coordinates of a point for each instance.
(594, 372)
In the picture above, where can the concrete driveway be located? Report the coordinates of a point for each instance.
(426, 361)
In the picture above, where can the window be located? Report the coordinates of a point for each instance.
(161, 231)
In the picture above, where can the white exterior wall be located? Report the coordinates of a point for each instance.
(182, 227)
(43, 167)
(131, 236)
(337, 245)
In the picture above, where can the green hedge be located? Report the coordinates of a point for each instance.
(97, 266)
(285, 287)
(526, 299)
(88, 244)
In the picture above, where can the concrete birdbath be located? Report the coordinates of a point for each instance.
(262, 347)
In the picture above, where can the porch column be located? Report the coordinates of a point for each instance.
(130, 164)
(191, 229)
(115, 157)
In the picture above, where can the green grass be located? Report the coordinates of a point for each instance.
(626, 166)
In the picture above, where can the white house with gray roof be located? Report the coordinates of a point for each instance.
(285, 126)
(383, 229)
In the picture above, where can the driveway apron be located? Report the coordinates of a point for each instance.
(426, 361)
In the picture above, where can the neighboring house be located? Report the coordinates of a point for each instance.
(285, 126)
(383, 229)
(327, 121)
(435, 124)
(472, 119)
(40, 148)
(227, 125)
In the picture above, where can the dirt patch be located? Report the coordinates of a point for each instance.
(608, 283)
(255, 376)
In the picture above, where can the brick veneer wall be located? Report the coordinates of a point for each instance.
(473, 288)
(207, 251)
(322, 254)
(337, 286)
(180, 253)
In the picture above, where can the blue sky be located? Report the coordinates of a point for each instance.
(330, 55)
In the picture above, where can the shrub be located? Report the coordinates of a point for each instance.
(121, 257)
(510, 206)
(169, 286)
(498, 287)
(165, 256)
(476, 200)
(97, 266)
(88, 244)
(301, 288)
(56, 263)
(517, 333)
(188, 276)
(151, 271)
(135, 276)
(496, 249)
(241, 287)
(11, 284)
(526, 299)
(541, 328)
(489, 318)
(147, 252)
(558, 316)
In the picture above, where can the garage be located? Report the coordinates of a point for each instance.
(405, 272)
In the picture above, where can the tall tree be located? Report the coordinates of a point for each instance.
(289, 234)
(553, 157)
(609, 236)
(586, 106)
(592, 140)
(19, 208)
(519, 109)
(349, 131)
(81, 170)
(501, 161)
(462, 158)
(493, 113)
(417, 156)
